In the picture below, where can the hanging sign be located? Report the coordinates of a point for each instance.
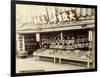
(40, 20)
(66, 15)
(69, 15)
(37, 37)
(90, 35)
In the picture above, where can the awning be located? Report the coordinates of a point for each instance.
(57, 29)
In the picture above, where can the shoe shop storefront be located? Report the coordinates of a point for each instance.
(71, 36)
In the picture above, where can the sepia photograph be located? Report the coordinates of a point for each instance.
(53, 37)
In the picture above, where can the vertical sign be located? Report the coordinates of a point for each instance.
(61, 35)
(17, 42)
(37, 37)
(23, 43)
(90, 35)
(40, 20)
(51, 13)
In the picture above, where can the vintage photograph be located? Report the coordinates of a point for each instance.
(54, 38)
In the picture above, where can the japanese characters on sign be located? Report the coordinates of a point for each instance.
(67, 16)
(60, 16)
(40, 20)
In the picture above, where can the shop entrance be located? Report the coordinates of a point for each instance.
(63, 40)
(30, 43)
(68, 40)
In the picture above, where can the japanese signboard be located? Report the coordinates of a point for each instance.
(40, 20)
(69, 15)
(37, 37)
(90, 36)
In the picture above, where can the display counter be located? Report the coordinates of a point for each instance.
(76, 55)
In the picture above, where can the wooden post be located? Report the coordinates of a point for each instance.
(88, 64)
(60, 60)
(93, 48)
(54, 60)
